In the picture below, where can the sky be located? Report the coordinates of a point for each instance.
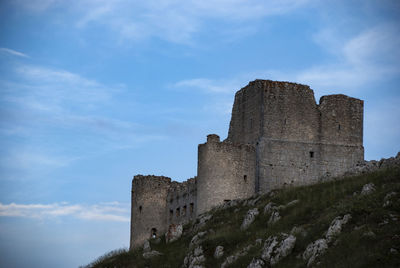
(93, 92)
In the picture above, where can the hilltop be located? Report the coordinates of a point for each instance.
(353, 222)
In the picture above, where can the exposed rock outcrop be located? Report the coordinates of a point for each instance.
(277, 247)
(174, 232)
(249, 218)
(314, 250)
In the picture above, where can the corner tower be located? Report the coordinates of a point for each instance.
(148, 208)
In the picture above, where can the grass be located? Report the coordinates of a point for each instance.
(319, 205)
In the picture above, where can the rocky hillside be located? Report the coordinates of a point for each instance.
(353, 222)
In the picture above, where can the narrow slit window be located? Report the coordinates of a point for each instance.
(171, 214)
(178, 212)
(311, 154)
(140, 209)
(191, 208)
(339, 127)
(245, 178)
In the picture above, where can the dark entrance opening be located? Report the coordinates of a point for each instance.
(153, 232)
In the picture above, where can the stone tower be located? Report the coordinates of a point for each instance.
(148, 208)
(297, 141)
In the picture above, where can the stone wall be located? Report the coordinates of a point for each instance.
(226, 171)
(297, 141)
(181, 202)
(148, 208)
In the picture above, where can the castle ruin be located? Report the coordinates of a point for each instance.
(278, 136)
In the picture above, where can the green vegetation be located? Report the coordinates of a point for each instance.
(368, 240)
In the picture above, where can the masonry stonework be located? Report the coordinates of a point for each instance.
(278, 136)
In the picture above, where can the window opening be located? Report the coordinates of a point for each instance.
(191, 208)
(153, 232)
(140, 209)
(311, 154)
(339, 127)
(171, 214)
(178, 212)
(245, 178)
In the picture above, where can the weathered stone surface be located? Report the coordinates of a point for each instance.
(201, 221)
(275, 216)
(277, 247)
(336, 227)
(174, 232)
(269, 208)
(292, 203)
(249, 218)
(368, 189)
(298, 231)
(219, 252)
(194, 259)
(198, 238)
(232, 258)
(256, 263)
(314, 250)
(146, 246)
(151, 254)
(387, 201)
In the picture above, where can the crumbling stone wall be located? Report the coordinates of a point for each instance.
(149, 204)
(226, 171)
(181, 202)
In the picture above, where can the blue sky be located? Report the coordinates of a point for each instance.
(94, 92)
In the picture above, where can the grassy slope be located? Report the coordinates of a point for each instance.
(319, 205)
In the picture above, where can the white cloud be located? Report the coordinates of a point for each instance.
(113, 211)
(172, 20)
(207, 85)
(371, 55)
(13, 52)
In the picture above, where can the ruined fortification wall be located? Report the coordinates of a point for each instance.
(181, 200)
(148, 208)
(225, 171)
(297, 141)
(278, 136)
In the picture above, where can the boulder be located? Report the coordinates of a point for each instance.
(197, 239)
(368, 189)
(314, 250)
(231, 259)
(387, 201)
(249, 218)
(275, 216)
(146, 246)
(277, 247)
(151, 254)
(336, 227)
(219, 252)
(256, 263)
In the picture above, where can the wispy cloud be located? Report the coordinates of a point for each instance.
(207, 85)
(368, 56)
(13, 52)
(171, 20)
(113, 211)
